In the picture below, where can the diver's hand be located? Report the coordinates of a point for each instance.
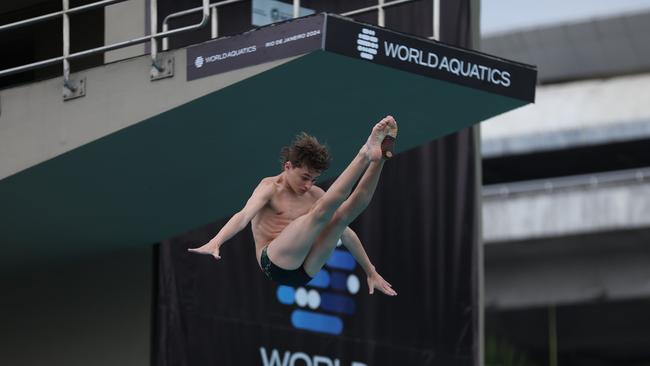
(211, 248)
(376, 281)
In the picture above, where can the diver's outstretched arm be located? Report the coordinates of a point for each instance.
(238, 221)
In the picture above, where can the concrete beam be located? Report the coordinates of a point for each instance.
(566, 211)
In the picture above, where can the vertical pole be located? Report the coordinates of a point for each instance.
(66, 43)
(552, 336)
(436, 20)
(214, 23)
(153, 15)
(381, 14)
(165, 40)
(296, 8)
(475, 26)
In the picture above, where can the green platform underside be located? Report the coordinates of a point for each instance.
(200, 161)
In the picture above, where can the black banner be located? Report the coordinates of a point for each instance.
(430, 58)
(227, 312)
(420, 233)
(273, 42)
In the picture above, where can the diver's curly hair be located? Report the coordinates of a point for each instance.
(306, 151)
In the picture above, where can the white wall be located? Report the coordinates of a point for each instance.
(37, 125)
(124, 21)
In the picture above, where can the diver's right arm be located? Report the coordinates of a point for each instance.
(238, 221)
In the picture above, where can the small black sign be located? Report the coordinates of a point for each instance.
(274, 42)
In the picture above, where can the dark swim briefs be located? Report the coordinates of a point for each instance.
(295, 277)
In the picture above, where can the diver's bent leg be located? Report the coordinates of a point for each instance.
(339, 190)
(292, 246)
(348, 212)
(290, 249)
(325, 207)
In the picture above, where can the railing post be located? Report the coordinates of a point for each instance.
(156, 68)
(381, 14)
(165, 40)
(296, 8)
(71, 89)
(436, 20)
(214, 22)
(66, 45)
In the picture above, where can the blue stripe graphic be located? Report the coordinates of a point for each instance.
(316, 322)
(339, 280)
(286, 295)
(341, 259)
(337, 303)
(322, 279)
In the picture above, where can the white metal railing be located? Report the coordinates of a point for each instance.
(381, 14)
(214, 19)
(41, 18)
(380, 8)
(67, 56)
(209, 12)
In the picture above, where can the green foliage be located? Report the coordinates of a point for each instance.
(500, 352)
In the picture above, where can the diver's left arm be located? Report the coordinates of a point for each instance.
(353, 243)
(375, 280)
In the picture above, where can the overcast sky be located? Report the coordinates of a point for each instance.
(502, 15)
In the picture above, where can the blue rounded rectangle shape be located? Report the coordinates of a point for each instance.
(341, 259)
(316, 322)
(339, 280)
(321, 280)
(337, 303)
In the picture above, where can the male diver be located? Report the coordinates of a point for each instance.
(296, 225)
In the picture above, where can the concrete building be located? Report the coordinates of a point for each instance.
(566, 205)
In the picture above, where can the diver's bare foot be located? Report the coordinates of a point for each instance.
(373, 148)
(388, 143)
(211, 248)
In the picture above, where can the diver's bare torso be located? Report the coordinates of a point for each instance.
(283, 207)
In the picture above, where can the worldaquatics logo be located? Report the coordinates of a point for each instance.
(325, 298)
(289, 358)
(198, 62)
(367, 44)
(368, 48)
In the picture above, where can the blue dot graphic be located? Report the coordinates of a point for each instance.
(286, 294)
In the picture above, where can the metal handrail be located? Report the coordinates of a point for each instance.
(213, 17)
(296, 13)
(41, 18)
(381, 5)
(65, 57)
(381, 15)
(208, 10)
